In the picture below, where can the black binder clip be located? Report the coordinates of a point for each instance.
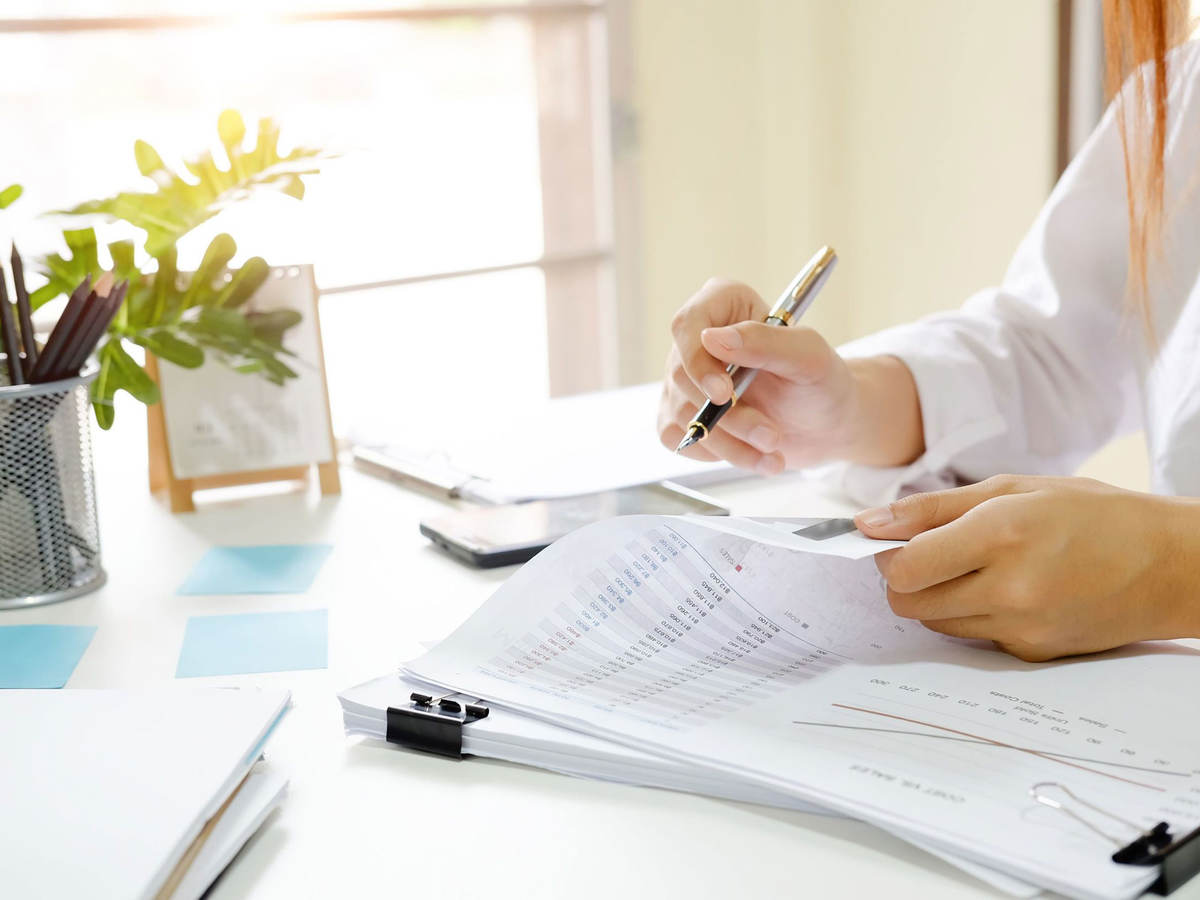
(433, 724)
(1178, 858)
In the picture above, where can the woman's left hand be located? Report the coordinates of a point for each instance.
(1045, 567)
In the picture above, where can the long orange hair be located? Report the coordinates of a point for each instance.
(1137, 37)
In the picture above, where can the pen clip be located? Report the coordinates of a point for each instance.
(799, 295)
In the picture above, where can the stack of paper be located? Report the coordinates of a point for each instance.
(524, 740)
(520, 739)
(131, 794)
(747, 661)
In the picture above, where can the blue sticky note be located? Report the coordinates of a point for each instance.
(267, 569)
(254, 642)
(41, 656)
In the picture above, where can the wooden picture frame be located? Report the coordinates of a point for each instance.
(179, 489)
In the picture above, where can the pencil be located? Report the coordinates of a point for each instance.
(24, 311)
(48, 359)
(12, 346)
(81, 328)
(103, 311)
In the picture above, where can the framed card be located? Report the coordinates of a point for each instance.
(215, 427)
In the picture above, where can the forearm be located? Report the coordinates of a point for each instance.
(885, 426)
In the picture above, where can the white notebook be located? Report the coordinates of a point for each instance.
(260, 795)
(105, 792)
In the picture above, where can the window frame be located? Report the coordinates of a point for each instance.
(590, 252)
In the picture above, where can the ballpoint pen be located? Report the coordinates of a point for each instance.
(791, 305)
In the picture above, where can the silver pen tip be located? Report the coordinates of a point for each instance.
(690, 438)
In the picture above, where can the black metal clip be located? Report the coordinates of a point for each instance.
(433, 724)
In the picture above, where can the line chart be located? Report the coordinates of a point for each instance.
(983, 743)
(969, 737)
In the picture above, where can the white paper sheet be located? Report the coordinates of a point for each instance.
(789, 668)
(780, 532)
(573, 445)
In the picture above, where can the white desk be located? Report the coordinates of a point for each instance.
(368, 819)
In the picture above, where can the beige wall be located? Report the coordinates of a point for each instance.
(699, 107)
(916, 137)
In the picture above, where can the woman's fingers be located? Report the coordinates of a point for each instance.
(742, 455)
(916, 513)
(749, 425)
(683, 399)
(717, 303)
(978, 628)
(796, 354)
(680, 385)
(719, 444)
(961, 596)
(937, 556)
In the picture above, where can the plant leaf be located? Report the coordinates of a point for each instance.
(103, 390)
(245, 281)
(128, 375)
(178, 203)
(122, 257)
(147, 158)
(166, 345)
(63, 274)
(9, 195)
(277, 368)
(294, 187)
(224, 322)
(231, 129)
(216, 257)
(164, 285)
(270, 326)
(82, 244)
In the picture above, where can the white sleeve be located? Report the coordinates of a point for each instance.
(1034, 375)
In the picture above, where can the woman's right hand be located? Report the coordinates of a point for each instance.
(801, 408)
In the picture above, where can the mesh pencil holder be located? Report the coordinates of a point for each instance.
(49, 535)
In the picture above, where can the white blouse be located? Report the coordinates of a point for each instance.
(1036, 374)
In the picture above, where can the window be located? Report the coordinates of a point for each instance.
(462, 238)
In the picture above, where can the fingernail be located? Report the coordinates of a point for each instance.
(765, 438)
(769, 465)
(714, 386)
(876, 517)
(729, 338)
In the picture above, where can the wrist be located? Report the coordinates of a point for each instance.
(1176, 532)
(883, 423)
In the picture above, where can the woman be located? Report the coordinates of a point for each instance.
(1094, 332)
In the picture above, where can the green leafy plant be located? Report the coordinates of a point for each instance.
(183, 318)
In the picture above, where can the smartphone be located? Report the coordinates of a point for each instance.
(503, 535)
